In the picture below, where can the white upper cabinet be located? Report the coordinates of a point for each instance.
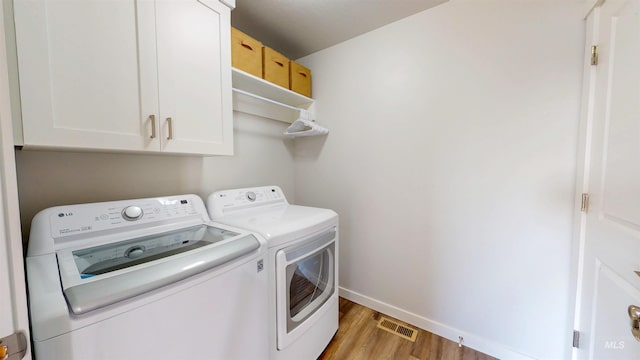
(125, 75)
(195, 76)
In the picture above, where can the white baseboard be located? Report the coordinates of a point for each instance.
(470, 340)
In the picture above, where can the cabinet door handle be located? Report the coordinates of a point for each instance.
(634, 315)
(170, 135)
(152, 118)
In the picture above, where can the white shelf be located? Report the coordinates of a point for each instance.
(278, 102)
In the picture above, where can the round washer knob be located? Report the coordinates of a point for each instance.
(251, 196)
(132, 213)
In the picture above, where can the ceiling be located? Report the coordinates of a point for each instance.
(297, 28)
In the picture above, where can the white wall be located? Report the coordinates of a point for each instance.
(451, 161)
(47, 178)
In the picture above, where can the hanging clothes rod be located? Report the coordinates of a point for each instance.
(266, 99)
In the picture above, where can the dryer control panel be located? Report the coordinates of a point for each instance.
(225, 202)
(87, 218)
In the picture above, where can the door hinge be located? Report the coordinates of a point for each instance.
(585, 203)
(594, 55)
(576, 338)
(13, 347)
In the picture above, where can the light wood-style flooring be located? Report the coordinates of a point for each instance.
(358, 338)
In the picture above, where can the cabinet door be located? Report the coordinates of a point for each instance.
(194, 75)
(87, 72)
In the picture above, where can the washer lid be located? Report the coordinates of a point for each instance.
(102, 259)
(102, 275)
(283, 223)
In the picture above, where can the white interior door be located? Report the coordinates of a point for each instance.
(13, 309)
(13, 301)
(610, 236)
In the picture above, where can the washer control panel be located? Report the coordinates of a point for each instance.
(224, 202)
(87, 218)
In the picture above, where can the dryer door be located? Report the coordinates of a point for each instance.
(306, 279)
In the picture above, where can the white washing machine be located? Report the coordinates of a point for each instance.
(145, 279)
(302, 265)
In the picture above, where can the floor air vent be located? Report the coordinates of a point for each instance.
(396, 328)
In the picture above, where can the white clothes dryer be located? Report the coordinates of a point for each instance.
(145, 279)
(302, 265)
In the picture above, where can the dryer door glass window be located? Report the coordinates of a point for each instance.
(309, 284)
